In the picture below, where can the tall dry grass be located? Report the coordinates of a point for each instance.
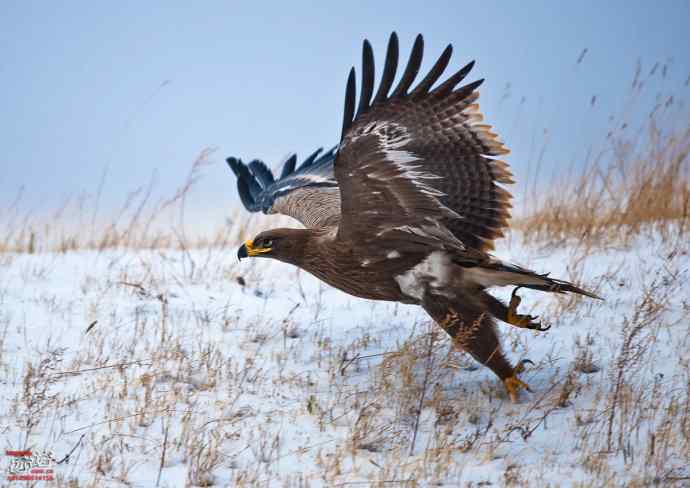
(141, 222)
(635, 181)
(635, 192)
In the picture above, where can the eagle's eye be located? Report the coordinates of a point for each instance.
(266, 243)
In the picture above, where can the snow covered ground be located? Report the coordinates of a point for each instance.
(200, 370)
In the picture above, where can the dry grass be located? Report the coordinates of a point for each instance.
(636, 193)
(167, 390)
(174, 382)
(140, 223)
(637, 181)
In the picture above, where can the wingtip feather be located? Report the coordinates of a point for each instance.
(350, 94)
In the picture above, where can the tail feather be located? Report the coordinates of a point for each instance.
(498, 273)
(560, 286)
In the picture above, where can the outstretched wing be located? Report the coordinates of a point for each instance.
(419, 161)
(309, 193)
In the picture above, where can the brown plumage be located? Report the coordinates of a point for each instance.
(419, 207)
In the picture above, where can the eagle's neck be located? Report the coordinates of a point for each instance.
(320, 243)
(319, 256)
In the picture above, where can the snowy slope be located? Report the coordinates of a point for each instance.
(205, 371)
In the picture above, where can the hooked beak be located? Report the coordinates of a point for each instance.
(242, 252)
(248, 250)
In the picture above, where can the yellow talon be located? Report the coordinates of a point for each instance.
(514, 384)
(518, 320)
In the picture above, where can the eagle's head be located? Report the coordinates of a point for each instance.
(283, 244)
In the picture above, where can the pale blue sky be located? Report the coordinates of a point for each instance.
(144, 86)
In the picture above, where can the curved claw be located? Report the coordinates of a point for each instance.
(514, 298)
(516, 289)
(538, 327)
(521, 366)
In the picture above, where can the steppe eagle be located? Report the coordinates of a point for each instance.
(406, 207)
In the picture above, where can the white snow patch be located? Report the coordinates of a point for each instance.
(245, 372)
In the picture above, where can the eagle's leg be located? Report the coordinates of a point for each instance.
(509, 314)
(474, 331)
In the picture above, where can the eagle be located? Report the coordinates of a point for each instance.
(407, 207)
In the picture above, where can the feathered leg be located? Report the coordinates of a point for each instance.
(473, 331)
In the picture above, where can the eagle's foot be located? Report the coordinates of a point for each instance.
(523, 321)
(514, 384)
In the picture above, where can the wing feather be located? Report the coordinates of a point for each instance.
(309, 194)
(389, 69)
(434, 74)
(412, 68)
(417, 166)
(447, 86)
(367, 78)
(422, 161)
(309, 161)
(289, 166)
(250, 188)
(350, 94)
(262, 172)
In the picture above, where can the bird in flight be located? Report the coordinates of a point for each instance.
(406, 207)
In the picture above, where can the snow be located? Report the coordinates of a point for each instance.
(254, 373)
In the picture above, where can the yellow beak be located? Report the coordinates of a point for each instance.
(248, 250)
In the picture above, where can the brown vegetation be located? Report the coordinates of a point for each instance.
(636, 181)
